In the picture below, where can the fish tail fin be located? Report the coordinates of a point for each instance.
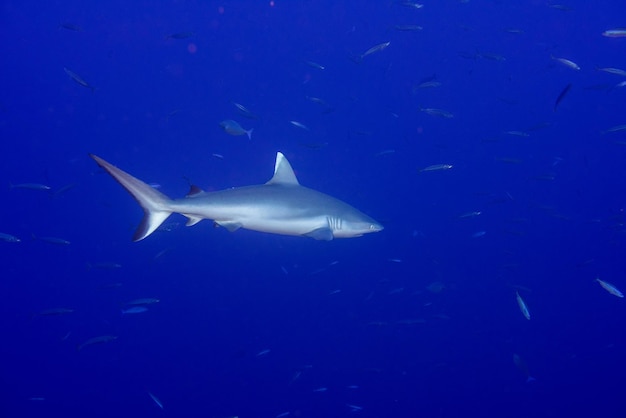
(249, 133)
(156, 205)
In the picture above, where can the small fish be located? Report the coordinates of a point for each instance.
(263, 352)
(385, 152)
(283, 414)
(160, 254)
(396, 291)
(437, 167)
(8, 237)
(180, 35)
(615, 129)
(245, 111)
(615, 33)
(314, 65)
(55, 312)
(322, 389)
(142, 301)
(36, 399)
(610, 288)
(567, 63)
(354, 408)
(470, 215)
(560, 7)
(408, 28)
(411, 321)
(375, 48)
(562, 95)
(63, 190)
(156, 400)
(97, 340)
(52, 240)
(327, 108)
(299, 125)
(428, 84)
(70, 26)
(492, 57)
(218, 156)
(78, 79)
(436, 287)
(517, 133)
(233, 128)
(615, 71)
(521, 365)
(522, 305)
(296, 376)
(317, 100)
(411, 4)
(538, 126)
(172, 113)
(134, 310)
(107, 265)
(30, 186)
(115, 285)
(437, 112)
(479, 234)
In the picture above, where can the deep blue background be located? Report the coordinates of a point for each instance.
(552, 209)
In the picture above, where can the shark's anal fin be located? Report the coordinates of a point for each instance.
(231, 226)
(321, 234)
(192, 220)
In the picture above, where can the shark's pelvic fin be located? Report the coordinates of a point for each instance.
(231, 226)
(283, 173)
(192, 220)
(156, 205)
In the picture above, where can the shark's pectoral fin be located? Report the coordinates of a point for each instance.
(231, 226)
(192, 220)
(323, 234)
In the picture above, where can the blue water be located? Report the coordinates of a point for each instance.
(420, 319)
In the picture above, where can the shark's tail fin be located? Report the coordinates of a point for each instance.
(156, 206)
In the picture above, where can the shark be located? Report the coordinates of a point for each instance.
(280, 206)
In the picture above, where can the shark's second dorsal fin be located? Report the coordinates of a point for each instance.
(283, 173)
(194, 190)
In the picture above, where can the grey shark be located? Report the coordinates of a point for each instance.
(280, 206)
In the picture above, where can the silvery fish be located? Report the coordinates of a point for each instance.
(233, 128)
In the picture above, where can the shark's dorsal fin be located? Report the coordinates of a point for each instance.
(194, 190)
(283, 173)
